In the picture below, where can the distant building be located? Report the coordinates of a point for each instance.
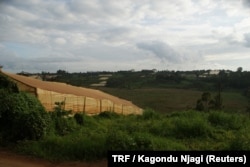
(103, 78)
(214, 72)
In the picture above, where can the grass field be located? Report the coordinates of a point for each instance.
(187, 130)
(168, 100)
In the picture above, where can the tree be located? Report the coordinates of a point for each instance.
(206, 99)
(206, 102)
(239, 69)
(61, 72)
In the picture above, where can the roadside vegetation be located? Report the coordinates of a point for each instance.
(187, 130)
(28, 129)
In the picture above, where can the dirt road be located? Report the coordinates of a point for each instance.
(9, 159)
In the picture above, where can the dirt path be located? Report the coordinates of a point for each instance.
(9, 159)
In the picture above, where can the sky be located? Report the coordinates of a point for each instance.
(111, 35)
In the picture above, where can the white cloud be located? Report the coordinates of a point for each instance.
(228, 56)
(102, 35)
(161, 50)
(60, 41)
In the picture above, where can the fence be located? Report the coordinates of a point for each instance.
(84, 104)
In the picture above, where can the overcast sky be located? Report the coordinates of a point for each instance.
(111, 35)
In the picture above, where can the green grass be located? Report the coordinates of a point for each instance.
(169, 100)
(187, 130)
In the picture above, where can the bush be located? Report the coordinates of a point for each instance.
(119, 140)
(163, 128)
(229, 121)
(6, 84)
(239, 144)
(64, 126)
(108, 114)
(150, 114)
(79, 118)
(142, 141)
(22, 117)
(191, 127)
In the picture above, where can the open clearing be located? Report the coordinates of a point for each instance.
(168, 100)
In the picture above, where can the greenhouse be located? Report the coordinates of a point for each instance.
(73, 98)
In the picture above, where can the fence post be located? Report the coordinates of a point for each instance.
(84, 104)
(52, 105)
(100, 105)
(122, 109)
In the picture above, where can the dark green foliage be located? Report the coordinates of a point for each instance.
(126, 79)
(247, 94)
(199, 105)
(79, 117)
(8, 85)
(206, 102)
(191, 128)
(217, 102)
(228, 121)
(240, 142)
(119, 140)
(150, 114)
(64, 126)
(32, 126)
(169, 77)
(60, 111)
(22, 117)
(122, 140)
(197, 79)
(142, 141)
(108, 114)
(63, 121)
(73, 147)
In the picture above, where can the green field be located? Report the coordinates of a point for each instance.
(168, 100)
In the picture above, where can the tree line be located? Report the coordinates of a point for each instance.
(197, 79)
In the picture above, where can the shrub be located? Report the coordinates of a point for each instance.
(108, 114)
(22, 117)
(79, 118)
(206, 102)
(63, 121)
(162, 128)
(239, 144)
(149, 114)
(64, 126)
(129, 125)
(229, 121)
(119, 140)
(191, 127)
(6, 84)
(142, 141)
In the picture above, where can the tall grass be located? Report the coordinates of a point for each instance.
(189, 130)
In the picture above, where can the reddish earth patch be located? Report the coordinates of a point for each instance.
(9, 159)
